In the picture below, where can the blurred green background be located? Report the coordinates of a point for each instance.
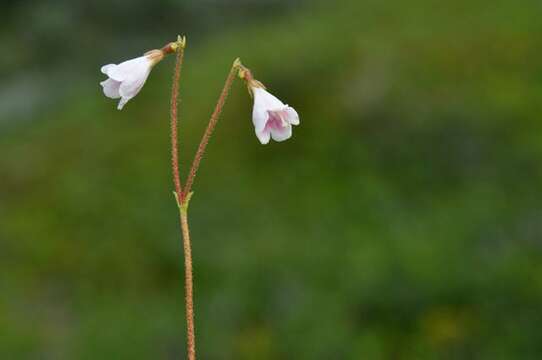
(403, 220)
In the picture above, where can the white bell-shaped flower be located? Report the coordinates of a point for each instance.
(126, 79)
(271, 117)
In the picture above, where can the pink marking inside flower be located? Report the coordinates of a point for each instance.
(276, 120)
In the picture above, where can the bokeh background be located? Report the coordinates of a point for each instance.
(403, 220)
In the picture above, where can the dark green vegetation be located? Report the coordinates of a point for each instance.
(402, 221)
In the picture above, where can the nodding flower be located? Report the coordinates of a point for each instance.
(127, 78)
(272, 119)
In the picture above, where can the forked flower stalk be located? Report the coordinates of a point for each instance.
(182, 200)
(271, 119)
(211, 126)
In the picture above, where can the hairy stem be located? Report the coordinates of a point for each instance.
(182, 203)
(210, 127)
(189, 298)
(174, 125)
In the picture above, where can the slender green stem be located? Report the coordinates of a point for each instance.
(182, 196)
(174, 123)
(210, 127)
(189, 290)
(182, 203)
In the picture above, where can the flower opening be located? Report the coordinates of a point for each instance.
(272, 119)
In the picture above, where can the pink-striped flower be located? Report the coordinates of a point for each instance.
(271, 117)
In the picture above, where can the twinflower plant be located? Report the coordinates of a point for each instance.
(272, 119)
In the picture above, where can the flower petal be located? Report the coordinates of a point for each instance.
(282, 133)
(263, 136)
(132, 84)
(263, 102)
(112, 70)
(111, 88)
(267, 99)
(130, 88)
(259, 117)
(122, 102)
(107, 68)
(291, 116)
(128, 69)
